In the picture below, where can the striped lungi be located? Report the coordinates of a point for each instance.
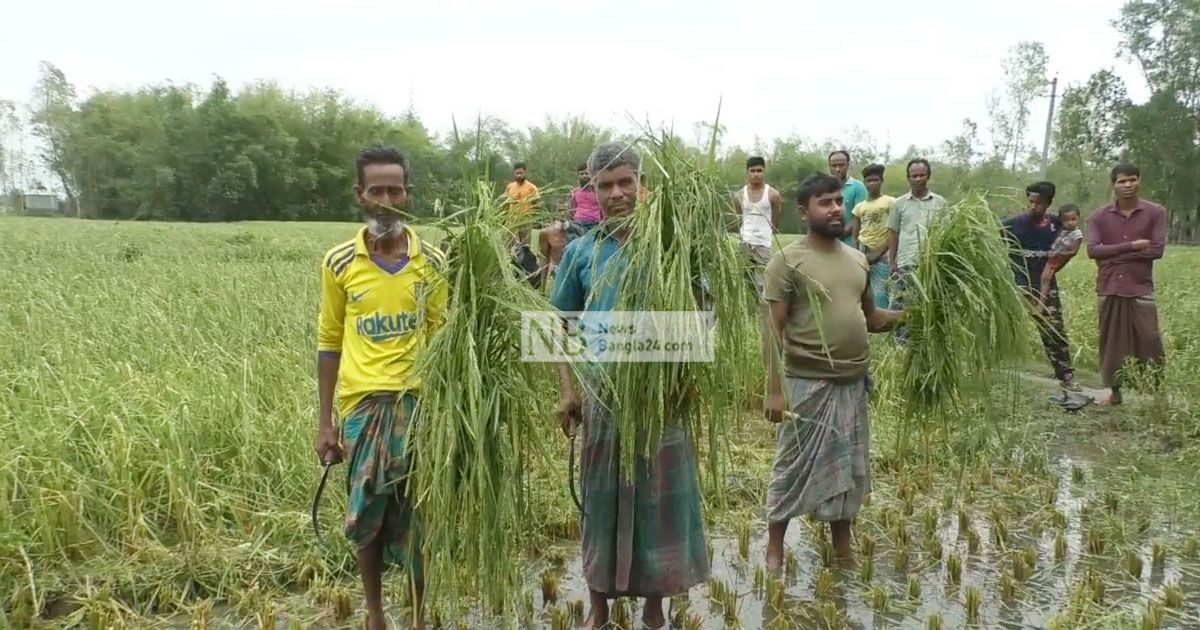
(645, 538)
(822, 461)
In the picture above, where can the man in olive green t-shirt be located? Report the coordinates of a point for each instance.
(821, 311)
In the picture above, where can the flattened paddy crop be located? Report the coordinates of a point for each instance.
(157, 410)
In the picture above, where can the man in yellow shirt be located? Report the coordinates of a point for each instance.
(383, 293)
(871, 232)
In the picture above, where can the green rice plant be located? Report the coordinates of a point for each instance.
(933, 547)
(1097, 540)
(1172, 596)
(900, 558)
(866, 569)
(560, 619)
(729, 608)
(791, 564)
(1060, 547)
(527, 607)
(266, 617)
(931, 522)
(549, 588)
(1029, 555)
(823, 589)
(828, 554)
(880, 597)
(1050, 494)
(964, 314)
(480, 420)
(973, 541)
(202, 614)
(1134, 563)
(1000, 534)
(914, 588)
(954, 568)
(866, 545)
(832, 615)
(1158, 555)
(774, 596)
(743, 538)
(716, 590)
(1191, 548)
(1095, 586)
(935, 622)
(622, 614)
(974, 601)
(342, 607)
(760, 578)
(1152, 617)
(1008, 586)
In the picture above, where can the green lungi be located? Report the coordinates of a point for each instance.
(376, 437)
(646, 538)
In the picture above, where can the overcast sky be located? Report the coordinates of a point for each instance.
(906, 72)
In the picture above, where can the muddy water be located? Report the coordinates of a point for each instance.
(1034, 604)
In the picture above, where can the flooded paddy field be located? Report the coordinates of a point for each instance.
(158, 469)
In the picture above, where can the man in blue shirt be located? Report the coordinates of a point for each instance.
(854, 192)
(641, 537)
(1032, 233)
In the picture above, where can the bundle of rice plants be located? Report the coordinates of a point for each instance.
(678, 259)
(964, 314)
(482, 415)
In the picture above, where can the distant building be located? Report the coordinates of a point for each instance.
(41, 205)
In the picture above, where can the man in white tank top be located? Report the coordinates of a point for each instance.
(757, 204)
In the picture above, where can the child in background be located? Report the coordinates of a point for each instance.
(1070, 237)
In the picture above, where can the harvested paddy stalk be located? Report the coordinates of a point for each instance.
(678, 260)
(482, 414)
(914, 588)
(964, 314)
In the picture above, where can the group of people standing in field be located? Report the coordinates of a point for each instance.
(384, 293)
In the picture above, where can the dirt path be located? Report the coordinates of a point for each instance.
(1097, 395)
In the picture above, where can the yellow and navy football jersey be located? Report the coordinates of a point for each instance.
(378, 318)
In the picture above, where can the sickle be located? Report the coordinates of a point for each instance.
(571, 479)
(316, 504)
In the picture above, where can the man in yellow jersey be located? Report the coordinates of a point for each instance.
(382, 296)
(871, 232)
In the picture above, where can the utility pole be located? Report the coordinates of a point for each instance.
(1049, 126)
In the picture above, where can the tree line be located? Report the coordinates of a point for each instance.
(179, 152)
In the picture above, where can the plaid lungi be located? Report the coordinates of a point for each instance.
(376, 437)
(645, 538)
(822, 462)
(757, 257)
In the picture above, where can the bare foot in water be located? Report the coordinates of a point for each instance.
(652, 614)
(842, 545)
(598, 617)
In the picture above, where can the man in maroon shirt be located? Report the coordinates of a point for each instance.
(1125, 238)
